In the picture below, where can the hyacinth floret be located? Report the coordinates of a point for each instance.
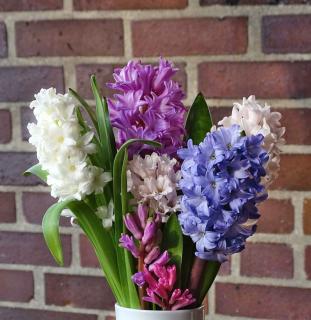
(62, 150)
(149, 106)
(221, 185)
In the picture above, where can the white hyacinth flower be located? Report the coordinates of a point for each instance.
(61, 149)
(105, 213)
(256, 119)
(153, 181)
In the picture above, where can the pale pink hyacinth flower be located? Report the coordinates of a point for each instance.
(255, 119)
(153, 181)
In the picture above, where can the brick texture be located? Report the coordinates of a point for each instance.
(29, 248)
(3, 41)
(129, 5)
(267, 260)
(11, 288)
(18, 5)
(227, 49)
(286, 34)
(277, 216)
(20, 83)
(307, 216)
(267, 79)
(69, 38)
(5, 126)
(87, 254)
(78, 291)
(27, 314)
(35, 205)
(293, 176)
(12, 166)
(266, 302)
(175, 37)
(8, 207)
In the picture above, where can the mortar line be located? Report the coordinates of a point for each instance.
(127, 39)
(39, 290)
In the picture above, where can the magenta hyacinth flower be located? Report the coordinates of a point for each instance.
(160, 282)
(149, 106)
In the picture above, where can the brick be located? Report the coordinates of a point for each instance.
(12, 166)
(286, 34)
(277, 216)
(30, 248)
(78, 291)
(264, 79)
(308, 262)
(293, 119)
(3, 41)
(24, 5)
(225, 268)
(11, 288)
(266, 302)
(69, 38)
(21, 83)
(87, 255)
(31, 314)
(5, 126)
(173, 37)
(35, 205)
(293, 176)
(7, 207)
(129, 5)
(267, 260)
(307, 216)
(103, 74)
(252, 2)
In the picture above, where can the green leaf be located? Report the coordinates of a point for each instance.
(103, 245)
(105, 132)
(187, 260)
(211, 270)
(50, 226)
(173, 243)
(199, 120)
(86, 107)
(37, 171)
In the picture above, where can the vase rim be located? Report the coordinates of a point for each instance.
(117, 306)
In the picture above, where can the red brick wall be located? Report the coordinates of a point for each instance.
(227, 51)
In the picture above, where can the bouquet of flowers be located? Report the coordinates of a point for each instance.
(163, 195)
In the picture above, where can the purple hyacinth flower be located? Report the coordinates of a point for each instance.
(142, 213)
(152, 255)
(132, 226)
(149, 232)
(139, 279)
(128, 243)
(148, 106)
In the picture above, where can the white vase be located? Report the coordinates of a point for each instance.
(136, 314)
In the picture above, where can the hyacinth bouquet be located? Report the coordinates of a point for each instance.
(163, 195)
